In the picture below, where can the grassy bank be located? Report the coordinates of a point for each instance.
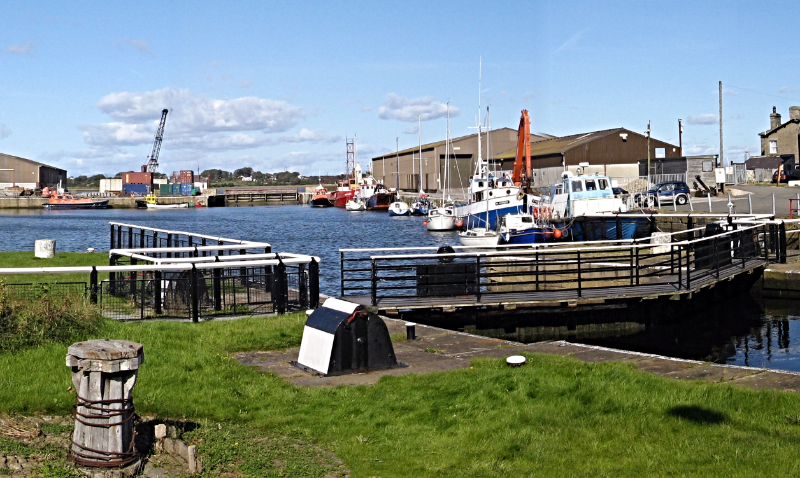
(61, 259)
(556, 416)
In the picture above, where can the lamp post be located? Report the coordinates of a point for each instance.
(648, 154)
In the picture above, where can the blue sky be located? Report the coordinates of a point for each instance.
(279, 85)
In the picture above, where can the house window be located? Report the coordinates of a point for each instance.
(773, 146)
(708, 166)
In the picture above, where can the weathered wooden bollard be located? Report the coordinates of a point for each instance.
(104, 373)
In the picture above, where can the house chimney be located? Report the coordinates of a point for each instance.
(774, 119)
(794, 112)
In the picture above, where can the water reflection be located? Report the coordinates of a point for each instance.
(732, 331)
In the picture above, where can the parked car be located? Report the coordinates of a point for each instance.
(619, 192)
(664, 193)
(785, 177)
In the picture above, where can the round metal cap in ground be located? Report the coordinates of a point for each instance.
(515, 360)
(411, 324)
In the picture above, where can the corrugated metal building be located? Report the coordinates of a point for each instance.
(613, 152)
(26, 173)
(462, 160)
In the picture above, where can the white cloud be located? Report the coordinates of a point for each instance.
(4, 131)
(139, 45)
(309, 136)
(786, 89)
(18, 49)
(706, 118)
(571, 42)
(404, 109)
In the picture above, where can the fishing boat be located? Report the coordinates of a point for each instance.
(60, 200)
(356, 204)
(527, 228)
(321, 197)
(380, 199)
(586, 205)
(398, 208)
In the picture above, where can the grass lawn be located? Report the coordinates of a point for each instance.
(61, 259)
(556, 416)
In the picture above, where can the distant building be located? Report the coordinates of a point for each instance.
(780, 145)
(26, 173)
(613, 152)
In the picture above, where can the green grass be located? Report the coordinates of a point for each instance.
(555, 416)
(61, 259)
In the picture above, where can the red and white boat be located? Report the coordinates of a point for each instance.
(68, 201)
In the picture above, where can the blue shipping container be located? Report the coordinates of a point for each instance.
(186, 189)
(139, 189)
(176, 189)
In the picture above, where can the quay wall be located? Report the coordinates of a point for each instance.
(114, 202)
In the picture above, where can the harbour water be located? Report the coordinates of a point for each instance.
(745, 336)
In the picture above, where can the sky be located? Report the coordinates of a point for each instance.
(280, 85)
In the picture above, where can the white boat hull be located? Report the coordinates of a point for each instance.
(441, 219)
(398, 208)
(167, 206)
(479, 237)
(355, 206)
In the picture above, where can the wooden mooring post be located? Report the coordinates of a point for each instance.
(104, 373)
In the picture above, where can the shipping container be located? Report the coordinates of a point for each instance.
(138, 189)
(165, 189)
(176, 189)
(109, 185)
(160, 181)
(137, 178)
(186, 189)
(187, 176)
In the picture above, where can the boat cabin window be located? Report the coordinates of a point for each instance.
(603, 183)
(527, 219)
(577, 186)
(590, 185)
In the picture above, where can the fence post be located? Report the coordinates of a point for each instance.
(155, 242)
(195, 299)
(630, 271)
(691, 206)
(243, 270)
(280, 286)
(537, 268)
(782, 242)
(217, 275)
(637, 264)
(716, 253)
(141, 238)
(119, 237)
(313, 283)
(302, 285)
(130, 238)
(93, 285)
(341, 275)
(709, 202)
(133, 281)
(111, 237)
(680, 268)
(750, 202)
(688, 266)
(374, 284)
(203, 244)
(478, 277)
(652, 225)
(579, 273)
(690, 226)
(619, 227)
(112, 276)
(157, 276)
(169, 245)
(773, 205)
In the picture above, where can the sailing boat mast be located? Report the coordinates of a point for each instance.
(446, 185)
(419, 130)
(397, 162)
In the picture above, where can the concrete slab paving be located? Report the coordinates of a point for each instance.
(439, 350)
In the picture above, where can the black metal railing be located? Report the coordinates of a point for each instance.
(561, 268)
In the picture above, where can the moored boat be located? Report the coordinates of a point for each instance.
(441, 219)
(479, 237)
(398, 208)
(321, 197)
(355, 204)
(380, 199)
(68, 201)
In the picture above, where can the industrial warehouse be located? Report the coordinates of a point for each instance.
(20, 173)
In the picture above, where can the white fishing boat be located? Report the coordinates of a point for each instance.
(398, 208)
(167, 206)
(356, 204)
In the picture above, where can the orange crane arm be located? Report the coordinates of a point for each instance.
(523, 150)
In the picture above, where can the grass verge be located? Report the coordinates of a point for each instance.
(556, 416)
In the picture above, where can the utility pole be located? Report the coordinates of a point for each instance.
(680, 137)
(648, 154)
(397, 161)
(721, 161)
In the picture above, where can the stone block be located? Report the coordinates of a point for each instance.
(45, 248)
(161, 431)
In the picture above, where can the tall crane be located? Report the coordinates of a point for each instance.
(152, 160)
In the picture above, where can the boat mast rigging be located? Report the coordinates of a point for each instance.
(152, 160)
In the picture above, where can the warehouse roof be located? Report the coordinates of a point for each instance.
(561, 144)
(534, 136)
(17, 158)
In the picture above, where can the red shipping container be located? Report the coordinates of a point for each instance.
(137, 178)
(187, 176)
